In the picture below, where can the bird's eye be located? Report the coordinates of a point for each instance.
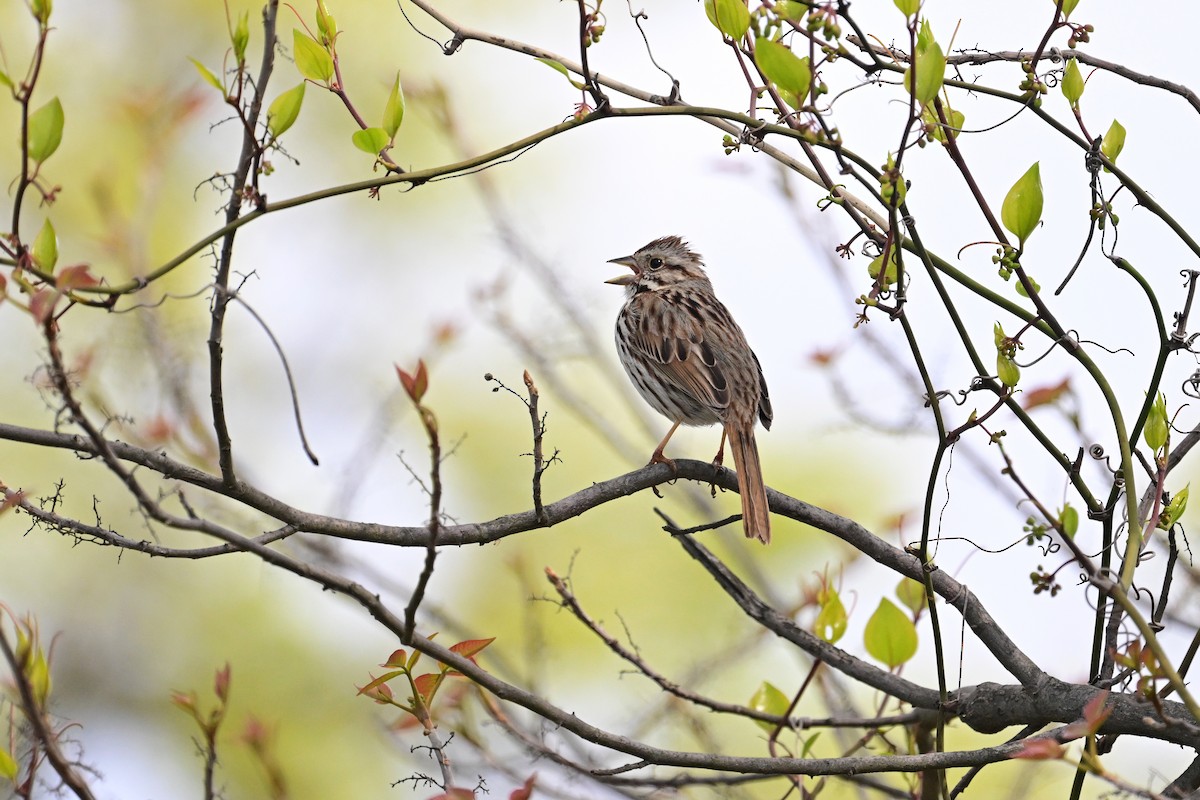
(656, 263)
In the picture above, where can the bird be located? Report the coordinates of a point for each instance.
(690, 361)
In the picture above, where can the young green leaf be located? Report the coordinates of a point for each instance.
(1157, 424)
(1067, 7)
(893, 269)
(1174, 510)
(791, 10)
(313, 60)
(912, 594)
(890, 635)
(830, 623)
(731, 17)
(326, 25)
(557, 67)
(41, 10)
(1007, 370)
(393, 111)
(783, 67)
(1020, 287)
(931, 71)
(769, 700)
(45, 247)
(5, 80)
(45, 130)
(1022, 209)
(908, 7)
(284, 110)
(1072, 83)
(208, 76)
(241, 37)
(8, 766)
(1113, 142)
(370, 140)
(1068, 518)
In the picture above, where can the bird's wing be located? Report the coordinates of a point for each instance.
(673, 342)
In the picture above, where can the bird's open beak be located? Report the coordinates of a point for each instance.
(624, 280)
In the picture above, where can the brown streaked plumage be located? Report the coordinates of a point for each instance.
(690, 361)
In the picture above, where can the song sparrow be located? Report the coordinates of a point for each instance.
(690, 361)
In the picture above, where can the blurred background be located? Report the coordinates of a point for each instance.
(502, 272)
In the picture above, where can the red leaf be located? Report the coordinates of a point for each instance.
(396, 659)
(526, 790)
(1096, 711)
(414, 384)
(1045, 395)
(41, 305)
(1040, 750)
(221, 683)
(456, 794)
(75, 277)
(427, 684)
(470, 647)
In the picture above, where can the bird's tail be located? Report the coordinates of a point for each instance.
(756, 514)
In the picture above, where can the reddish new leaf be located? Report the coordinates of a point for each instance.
(1096, 712)
(1045, 395)
(428, 684)
(416, 383)
(526, 790)
(396, 659)
(470, 647)
(41, 305)
(221, 683)
(456, 794)
(1040, 750)
(76, 277)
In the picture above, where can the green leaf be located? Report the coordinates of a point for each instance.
(45, 247)
(830, 623)
(1020, 287)
(1067, 7)
(1113, 142)
(999, 337)
(284, 110)
(313, 60)
(1157, 424)
(1072, 83)
(45, 130)
(890, 636)
(326, 24)
(1007, 370)
(4, 79)
(731, 17)
(241, 37)
(8, 766)
(208, 76)
(908, 7)
(557, 67)
(1174, 510)
(783, 68)
(791, 10)
(912, 594)
(393, 111)
(769, 700)
(954, 119)
(931, 71)
(1022, 209)
(41, 10)
(1068, 518)
(893, 269)
(370, 140)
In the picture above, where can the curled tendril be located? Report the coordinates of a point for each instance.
(1191, 386)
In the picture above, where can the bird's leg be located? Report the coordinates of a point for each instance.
(658, 458)
(718, 462)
